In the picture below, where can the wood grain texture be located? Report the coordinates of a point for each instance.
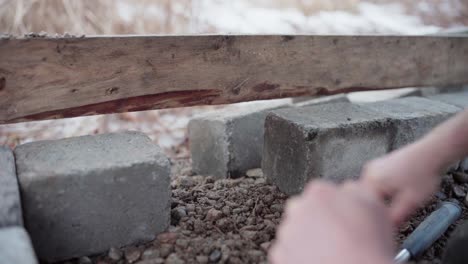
(45, 78)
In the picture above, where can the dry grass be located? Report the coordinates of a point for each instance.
(95, 17)
(309, 7)
(91, 17)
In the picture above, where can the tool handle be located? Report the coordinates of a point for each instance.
(432, 228)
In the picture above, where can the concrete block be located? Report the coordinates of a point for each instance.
(228, 143)
(432, 91)
(412, 117)
(459, 99)
(15, 246)
(382, 95)
(330, 141)
(338, 98)
(10, 203)
(84, 195)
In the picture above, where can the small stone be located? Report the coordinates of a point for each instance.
(212, 195)
(250, 221)
(177, 214)
(247, 234)
(187, 182)
(458, 191)
(115, 254)
(215, 256)
(250, 202)
(460, 177)
(174, 259)
(150, 253)
(255, 173)
(226, 210)
(150, 261)
(209, 179)
(213, 215)
(198, 226)
(260, 181)
(190, 207)
(237, 211)
(167, 238)
(276, 208)
(466, 200)
(132, 254)
(165, 250)
(440, 195)
(269, 226)
(265, 246)
(85, 260)
(183, 243)
(268, 198)
(255, 253)
(406, 229)
(202, 259)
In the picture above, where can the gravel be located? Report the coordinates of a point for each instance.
(234, 221)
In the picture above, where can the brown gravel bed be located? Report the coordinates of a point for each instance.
(234, 221)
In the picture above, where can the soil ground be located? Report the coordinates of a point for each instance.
(234, 221)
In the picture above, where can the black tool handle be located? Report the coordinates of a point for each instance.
(432, 228)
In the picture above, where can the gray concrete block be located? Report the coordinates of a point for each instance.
(459, 99)
(86, 194)
(382, 95)
(338, 98)
(413, 117)
(10, 203)
(330, 141)
(15, 246)
(228, 143)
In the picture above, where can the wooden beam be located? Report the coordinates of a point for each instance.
(44, 78)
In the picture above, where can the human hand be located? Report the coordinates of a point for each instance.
(410, 175)
(332, 224)
(404, 178)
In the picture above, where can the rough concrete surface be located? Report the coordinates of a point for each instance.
(339, 98)
(86, 194)
(412, 117)
(457, 99)
(10, 202)
(15, 246)
(329, 141)
(382, 95)
(230, 142)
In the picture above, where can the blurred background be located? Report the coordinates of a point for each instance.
(168, 127)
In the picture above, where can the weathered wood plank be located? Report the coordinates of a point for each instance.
(44, 78)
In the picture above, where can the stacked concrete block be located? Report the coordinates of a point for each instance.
(334, 141)
(432, 91)
(10, 203)
(15, 246)
(412, 117)
(230, 142)
(460, 100)
(339, 98)
(87, 194)
(330, 141)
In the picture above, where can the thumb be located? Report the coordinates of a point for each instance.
(402, 206)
